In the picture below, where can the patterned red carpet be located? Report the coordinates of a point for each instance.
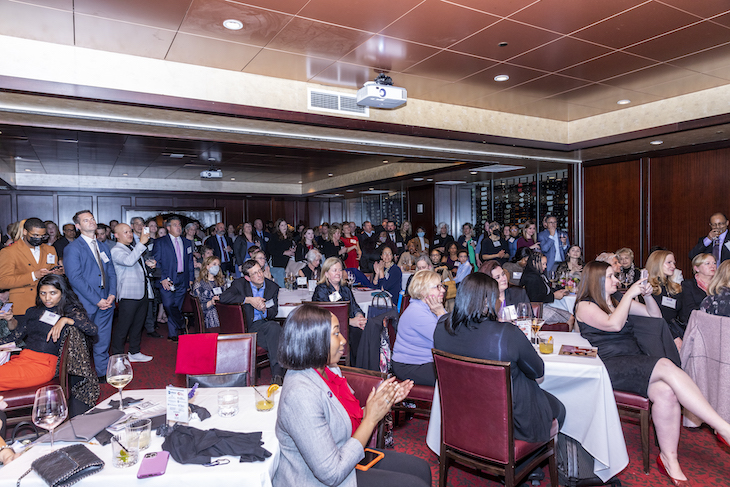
(704, 461)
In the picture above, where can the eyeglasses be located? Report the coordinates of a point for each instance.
(440, 287)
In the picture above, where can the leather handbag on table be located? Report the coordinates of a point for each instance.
(65, 466)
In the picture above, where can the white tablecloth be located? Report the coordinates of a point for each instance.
(363, 298)
(404, 282)
(566, 304)
(236, 474)
(583, 386)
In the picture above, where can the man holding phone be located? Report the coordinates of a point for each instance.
(22, 264)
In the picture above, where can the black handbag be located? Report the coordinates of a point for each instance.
(65, 466)
(232, 379)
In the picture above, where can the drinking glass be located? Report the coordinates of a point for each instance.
(523, 311)
(119, 374)
(49, 408)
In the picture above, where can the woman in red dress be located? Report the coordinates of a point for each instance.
(352, 245)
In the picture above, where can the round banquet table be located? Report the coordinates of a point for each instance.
(288, 300)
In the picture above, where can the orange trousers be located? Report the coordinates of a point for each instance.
(28, 369)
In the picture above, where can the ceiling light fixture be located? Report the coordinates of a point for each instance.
(233, 24)
(430, 179)
(385, 162)
(233, 179)
(330, 174)
(350, 190)
(300, 182)
(502, 44)
(418, 179)
(656, 142)
(501, 77)
(125, 174)
(27, 170)
(623, 102)
(473, 173)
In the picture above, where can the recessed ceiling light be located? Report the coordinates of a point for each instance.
(330, 174)
(429, 179)
(371, 189)
(656, 142)
(125, 174)
(350, 190)
(623, 102)
(300, 182)
(385, 162)
(473, 173)
(501, 77)
(233, 179)
(232, 24)
(27, 170)
(502, 44)
(418, 179)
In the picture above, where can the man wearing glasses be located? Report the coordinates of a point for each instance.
(716, 242)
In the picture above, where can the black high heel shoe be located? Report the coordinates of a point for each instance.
(663, 469)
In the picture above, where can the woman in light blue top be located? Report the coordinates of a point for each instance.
(412, 357)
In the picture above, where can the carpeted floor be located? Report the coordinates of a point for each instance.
(704, 461)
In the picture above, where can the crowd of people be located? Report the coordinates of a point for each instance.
(459, 289)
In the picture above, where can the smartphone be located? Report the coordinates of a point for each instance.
(644, 274)
(371, 458)
(153, 464)
(6, 307)
(56, 267)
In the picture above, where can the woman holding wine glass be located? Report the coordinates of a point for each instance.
(41, 327)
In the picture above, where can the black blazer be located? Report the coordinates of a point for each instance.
(538, 290)
(514, 295)
(322, 295)
(396, 244)
(691, 297)
(241, 289)
(212, 242)
(701, 248)
(277, 247)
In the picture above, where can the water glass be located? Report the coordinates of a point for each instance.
(141, 429)
(227, 403)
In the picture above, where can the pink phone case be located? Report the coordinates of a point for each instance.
(153, 464)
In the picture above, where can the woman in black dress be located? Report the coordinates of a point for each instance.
(717, 301)
(472, 330)
(281, 249)
(667, 293)
(695, 290)
(494, 246)
(508, 295)
(603, 322)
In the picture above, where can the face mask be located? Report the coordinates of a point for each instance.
(383, 239)
(36, 241)
(495, 232)
(214, 270)
(421, 234)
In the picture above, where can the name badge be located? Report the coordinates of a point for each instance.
(335, 296)
(516, 275)
(497, 243)
(190, 250)
(456, 264)
(217, 290)
(669, 302)
(269, 303)
(50, 318)
(104, 258)
(301, 281)
(50, 259)
(427, 245)
(150, 247)
(727, 244)
(509, 312)
(266, 239)
(399, 244)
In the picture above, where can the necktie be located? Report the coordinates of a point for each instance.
(178, 252)
(716, 250)
(101, 265)
(222, 245)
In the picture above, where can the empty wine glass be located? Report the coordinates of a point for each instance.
(523, 312)
(119, 374)
(49, 408)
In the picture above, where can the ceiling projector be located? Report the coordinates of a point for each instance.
(381, 93)
(212, 174)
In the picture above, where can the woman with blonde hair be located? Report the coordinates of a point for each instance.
(628, 273)
(207, 288)
(412, 357)
(406, 231)
(717, 301)
(668, 294)
(694, 291)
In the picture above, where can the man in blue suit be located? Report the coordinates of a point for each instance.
(553, 243)
(174, 256)
(90, 270)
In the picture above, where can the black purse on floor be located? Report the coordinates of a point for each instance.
(65, 466)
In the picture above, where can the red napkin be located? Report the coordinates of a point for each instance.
(196, 353)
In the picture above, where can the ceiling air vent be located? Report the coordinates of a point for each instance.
(333, 102)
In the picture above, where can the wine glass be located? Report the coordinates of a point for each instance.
(119, 374)
(537, 322)
(523, 312)
(49, 408)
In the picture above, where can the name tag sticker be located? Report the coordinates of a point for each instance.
(510, 313)
(50, 318)
(217, 290)
(190, 250)
(269, 303)
(497, 243)
(335, 296)
(301, 281)
(150, 247)
(516, 275)
(669, 302)
(50, 259)
(104, 257)
(399, 244)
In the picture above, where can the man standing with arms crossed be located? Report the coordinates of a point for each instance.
(90, 271)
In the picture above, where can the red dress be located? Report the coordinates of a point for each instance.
(351, 257)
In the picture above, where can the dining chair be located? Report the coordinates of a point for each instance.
(197, 316)
(477, 428)
(20, 401)
(637, 407)
(234, 356)
(341, 309)
(188, 311)
(362, 382)
(564, 327)
(232, 319)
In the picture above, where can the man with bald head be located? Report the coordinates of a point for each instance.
(716, 242)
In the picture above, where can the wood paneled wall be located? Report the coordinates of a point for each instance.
(655, 201)
(421, 195)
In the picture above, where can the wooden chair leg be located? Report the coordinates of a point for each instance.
(644, 424)
(443, 466)
(553, 466)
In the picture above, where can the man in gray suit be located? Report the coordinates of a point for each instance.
(133, 291)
